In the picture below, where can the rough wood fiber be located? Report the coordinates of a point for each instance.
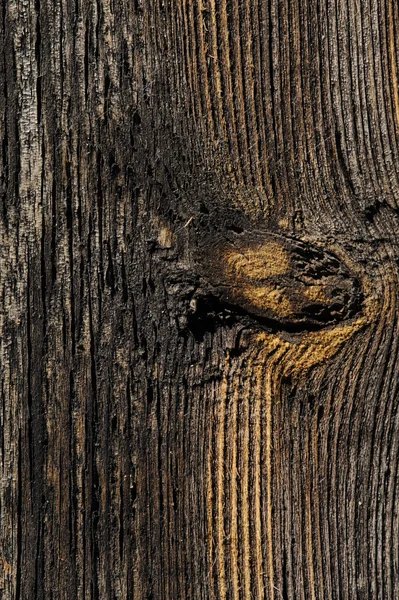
(198, 299)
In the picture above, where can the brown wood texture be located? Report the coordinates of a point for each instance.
(198, 299)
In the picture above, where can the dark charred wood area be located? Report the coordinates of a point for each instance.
(199, 257)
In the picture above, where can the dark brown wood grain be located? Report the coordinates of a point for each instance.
(199, 257)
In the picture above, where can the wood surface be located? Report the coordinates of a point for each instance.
(199, 258)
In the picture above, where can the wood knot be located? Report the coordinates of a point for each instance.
(280, 280)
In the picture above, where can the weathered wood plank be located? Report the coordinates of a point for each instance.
(198, 299)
